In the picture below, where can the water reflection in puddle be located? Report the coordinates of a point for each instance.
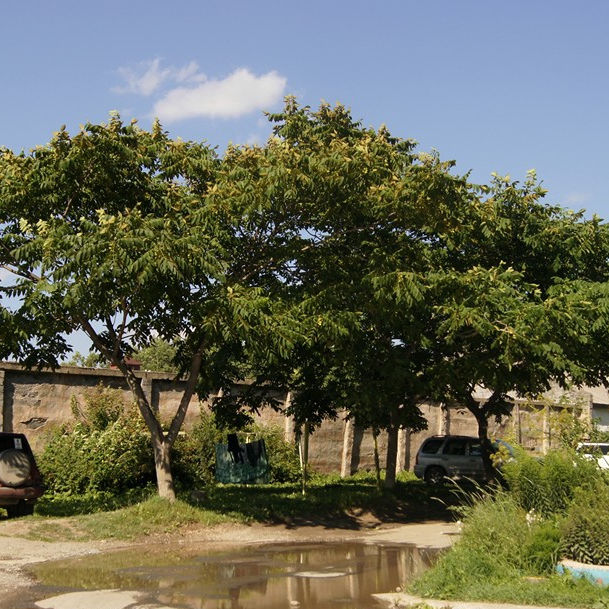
(332, 575)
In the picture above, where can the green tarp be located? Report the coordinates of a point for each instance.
(245, 469)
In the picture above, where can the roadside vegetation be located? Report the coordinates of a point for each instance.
(99, 472)
(513, 537)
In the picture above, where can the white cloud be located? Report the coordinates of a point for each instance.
(189, 73)
(577, 198)
(148, 76)
(145, 79)
(236, 95)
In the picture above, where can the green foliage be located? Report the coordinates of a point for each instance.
(497, 553)
(91, 360)
(547, 485)
(195, 452)
(568, 426)
(102, 406)
(493, 535)
(333, 260)
(553, 507)
(106, 450)
(158, 356)
(284, 464)
(586, 528)
(542, 549)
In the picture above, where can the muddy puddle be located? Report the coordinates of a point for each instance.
(307, 576)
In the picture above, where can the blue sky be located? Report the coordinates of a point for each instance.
(498, 86)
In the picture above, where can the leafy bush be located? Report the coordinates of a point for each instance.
(547, 485)
(194, 453)
(284, 464)
(542, 550)
(586, 529)
(107, 449)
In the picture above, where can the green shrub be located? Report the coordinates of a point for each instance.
(586, 529)
(547, 485)
(102, 406)
(107, 449)
(494, 532)
(194, 455)
(284, 464)
(542, 550)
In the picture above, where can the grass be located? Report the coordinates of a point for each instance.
(154, 516)
(490, 563)
(330, 501)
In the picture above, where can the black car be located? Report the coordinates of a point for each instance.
(20, 479)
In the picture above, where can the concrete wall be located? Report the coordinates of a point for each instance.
(34, 401)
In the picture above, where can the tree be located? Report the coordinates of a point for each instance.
(120, 232)
(334, 262)
(91, 360)
(158, 356)
(452, 288)
(351, 206)
(521, 305)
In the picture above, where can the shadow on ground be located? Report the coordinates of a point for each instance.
(348, 506)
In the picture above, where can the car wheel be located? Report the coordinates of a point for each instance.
(434, 475)
(22, 508)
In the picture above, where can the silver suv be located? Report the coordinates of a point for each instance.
(595, 451)
(443, 457)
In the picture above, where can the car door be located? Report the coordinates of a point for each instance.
(455, 457)
(475, 463)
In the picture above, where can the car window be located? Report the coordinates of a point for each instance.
(455, 447)
(431, 446)
(475, 449)
(11, 441)
(592, 449)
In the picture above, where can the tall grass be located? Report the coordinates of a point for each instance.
(548, 485)
(512, 537)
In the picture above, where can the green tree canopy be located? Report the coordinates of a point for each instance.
(334, 261)
(116, 231)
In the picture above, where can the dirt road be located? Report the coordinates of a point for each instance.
(17, 552)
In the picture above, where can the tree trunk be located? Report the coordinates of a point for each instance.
(392, 456)
(304, 460)
(485, 442)
(377, 461)
(161, 443)
(162, 466)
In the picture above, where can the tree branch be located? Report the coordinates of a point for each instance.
(134, 383)
(191, 383)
